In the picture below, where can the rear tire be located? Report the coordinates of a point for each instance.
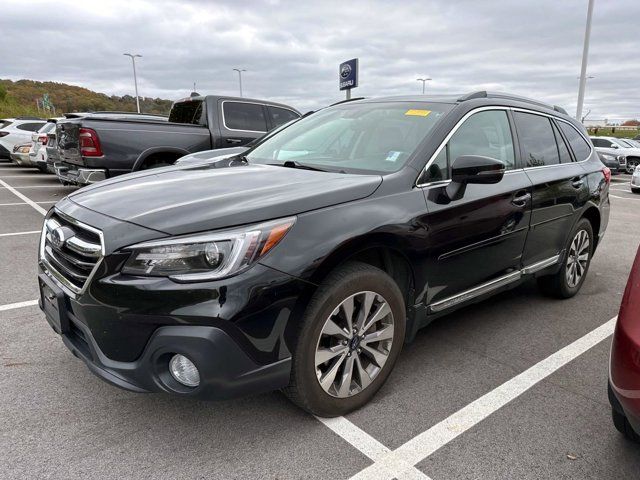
(575, 266)
(357, 364)
(624, 427)
(635, 190)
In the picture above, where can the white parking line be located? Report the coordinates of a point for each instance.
(22, 187)
(370, 447)
(624, 198)
(23, 197)
(393, 464)
(12, 306)
(23, 203)
(19, 233)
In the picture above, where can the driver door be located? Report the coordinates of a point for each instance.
(480, 237)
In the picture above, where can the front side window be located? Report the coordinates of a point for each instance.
(537, 140)
(484, 133)
(280, 116)
(578, 144)
(363, 137)
(244, 116)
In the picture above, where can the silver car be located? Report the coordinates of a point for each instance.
(627, 154)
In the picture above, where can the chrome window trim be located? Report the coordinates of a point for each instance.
(69, 288)
(496, 107)
(224, 121)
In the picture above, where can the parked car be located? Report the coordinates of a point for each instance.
(627, 155)
(17, 131)
(39, 140)
(309, 262)
(207, 156)
(624, 371)
(635, 180)
(96, 147)
(20, 155)
(633, 143)
(611, 161)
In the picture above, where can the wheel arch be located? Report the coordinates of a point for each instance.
(592, 213)
(153, 152)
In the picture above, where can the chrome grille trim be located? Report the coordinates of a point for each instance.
(73, 264)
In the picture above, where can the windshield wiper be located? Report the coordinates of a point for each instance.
(294, 164)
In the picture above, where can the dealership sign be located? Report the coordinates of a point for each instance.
(348, 74)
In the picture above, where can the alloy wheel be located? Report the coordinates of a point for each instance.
(577, 258)
(354, 344)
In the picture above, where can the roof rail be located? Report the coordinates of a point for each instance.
(347, 100)
(509, 96)
(27, 117)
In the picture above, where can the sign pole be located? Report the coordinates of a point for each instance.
(348, 94)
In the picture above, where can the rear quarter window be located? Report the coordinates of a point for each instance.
(578, 144)
(537, 140)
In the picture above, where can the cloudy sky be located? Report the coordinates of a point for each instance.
(291, 49)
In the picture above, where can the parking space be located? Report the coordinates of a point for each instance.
(59, 421)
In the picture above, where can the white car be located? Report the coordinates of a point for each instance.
(627, 154)
(17, 131)
(38, 151)
(635, 180)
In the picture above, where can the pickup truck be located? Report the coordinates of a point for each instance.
(97, 146)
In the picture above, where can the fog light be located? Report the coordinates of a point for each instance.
(184, 371)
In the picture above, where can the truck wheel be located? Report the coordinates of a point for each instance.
(349, 339)
(575, 265)
(624, 427)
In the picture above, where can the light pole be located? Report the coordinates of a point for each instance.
(424, 81)
(135, 77)
(585, 55)
(240, 70)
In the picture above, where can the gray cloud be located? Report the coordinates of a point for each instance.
(291, 49)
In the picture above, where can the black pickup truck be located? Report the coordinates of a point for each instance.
(93, 147)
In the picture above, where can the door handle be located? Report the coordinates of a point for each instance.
(577, 182)
(234, 140)
(521, 199)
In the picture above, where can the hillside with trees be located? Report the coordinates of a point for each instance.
(24, 97)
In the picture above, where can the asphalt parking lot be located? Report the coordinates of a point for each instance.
(510, 388)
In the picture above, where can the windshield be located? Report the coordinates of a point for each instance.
(633, 143)
(356, 137)
(622, 143)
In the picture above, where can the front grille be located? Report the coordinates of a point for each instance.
(70, 250)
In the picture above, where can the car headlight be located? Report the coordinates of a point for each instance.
(621, 158)
(206, 256)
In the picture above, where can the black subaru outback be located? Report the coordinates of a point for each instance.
(305, 263)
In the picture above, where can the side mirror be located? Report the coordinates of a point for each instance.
(613, 145)
(473, 169)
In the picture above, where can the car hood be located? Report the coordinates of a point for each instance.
(193, 198)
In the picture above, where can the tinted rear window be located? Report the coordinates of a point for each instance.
(192, 112)
(537, 139)
(4, 123)
(244, 116)
(30, 127)
(47, 128)
(578, 144)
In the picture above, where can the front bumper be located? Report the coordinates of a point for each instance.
(22, 159)
(624, 376)
(71, 174)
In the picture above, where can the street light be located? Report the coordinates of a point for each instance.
(240, 70)
(585, 55)
(135, 78)
(424, 81)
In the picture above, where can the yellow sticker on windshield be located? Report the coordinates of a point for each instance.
(418, 113)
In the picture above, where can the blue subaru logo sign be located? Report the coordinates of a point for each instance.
(348, 74)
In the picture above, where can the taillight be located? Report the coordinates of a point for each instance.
(89, 143)
(43, 139)
(607, 174)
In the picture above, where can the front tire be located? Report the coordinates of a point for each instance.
(575, 265)
(349, 339)
(624, 427)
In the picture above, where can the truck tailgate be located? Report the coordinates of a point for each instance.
(69, 142)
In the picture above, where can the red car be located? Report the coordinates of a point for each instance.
(624, 373)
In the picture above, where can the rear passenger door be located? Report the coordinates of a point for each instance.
(241, 122)
(560, 188)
